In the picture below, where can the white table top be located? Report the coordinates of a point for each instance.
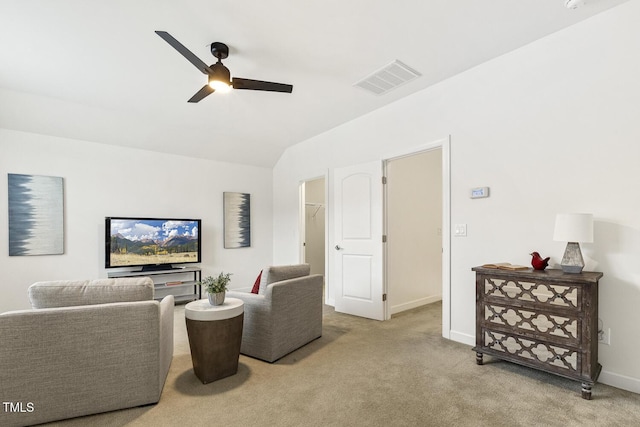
(202, 310)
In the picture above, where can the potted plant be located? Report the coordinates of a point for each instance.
(216, 287)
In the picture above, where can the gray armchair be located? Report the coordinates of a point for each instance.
(284, 315)
(85, 347)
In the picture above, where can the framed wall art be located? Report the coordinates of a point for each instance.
(36, 215)
(237, 220)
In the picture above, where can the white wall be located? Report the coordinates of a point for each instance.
(101, 180)
(551, 127)
(414, 230)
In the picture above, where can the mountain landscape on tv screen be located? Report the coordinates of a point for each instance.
(172, 245)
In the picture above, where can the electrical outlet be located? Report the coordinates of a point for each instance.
(604, 336)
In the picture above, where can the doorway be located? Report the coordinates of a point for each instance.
(366, 285)
(314, 224)
(413, 216)
(334, 271)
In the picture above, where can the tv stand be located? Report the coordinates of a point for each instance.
(160, 267)
(168, 280)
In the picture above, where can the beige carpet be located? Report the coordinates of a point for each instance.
(368, 373)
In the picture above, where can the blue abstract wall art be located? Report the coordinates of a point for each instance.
(237, 220)
(36, 215)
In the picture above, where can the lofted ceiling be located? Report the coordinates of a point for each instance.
(96, 71)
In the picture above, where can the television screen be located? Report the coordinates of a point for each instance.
(153, 243)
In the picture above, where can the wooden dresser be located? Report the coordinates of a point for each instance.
(546, 320)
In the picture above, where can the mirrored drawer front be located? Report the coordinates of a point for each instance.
(551, 356)
(543, 325)
(554, 295)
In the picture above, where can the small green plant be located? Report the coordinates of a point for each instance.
(215, 285)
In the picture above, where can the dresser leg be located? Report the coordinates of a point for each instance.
(586, 391)
(478, 358)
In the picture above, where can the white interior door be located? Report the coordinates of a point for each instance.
(358, 253)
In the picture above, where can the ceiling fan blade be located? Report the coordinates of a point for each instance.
(206, 90)
(204, 68)
(239, 83)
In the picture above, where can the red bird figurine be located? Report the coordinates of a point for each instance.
(538, 262)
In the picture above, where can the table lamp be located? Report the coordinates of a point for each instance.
(573, 228)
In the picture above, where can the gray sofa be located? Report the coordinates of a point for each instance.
(284, 315)
(85, 347)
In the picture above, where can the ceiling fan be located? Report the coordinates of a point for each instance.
(219, 75)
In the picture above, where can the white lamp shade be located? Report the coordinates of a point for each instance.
(574, 227)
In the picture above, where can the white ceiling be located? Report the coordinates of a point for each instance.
(95, 70)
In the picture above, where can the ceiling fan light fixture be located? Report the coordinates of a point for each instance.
(219, 86)
(220, 78)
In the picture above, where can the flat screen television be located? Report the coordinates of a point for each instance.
(152, 243)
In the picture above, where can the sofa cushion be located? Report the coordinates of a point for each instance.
(279, 273)
(66, 293)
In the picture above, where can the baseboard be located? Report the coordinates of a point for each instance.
(620, 381)
(414, 304)
(462, 338)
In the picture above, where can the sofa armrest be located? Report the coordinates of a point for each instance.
(256, 327)
(297, 306)
(166, 338)
(257, 310)
(299, 292)
(251, 301)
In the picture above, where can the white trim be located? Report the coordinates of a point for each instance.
(445, 145)
(330, 281)
(328, 296)
(302, 221)
(398, 154)
(414, 304)
(620, 381)
(388, 311)
(462, 338)
(446, 238)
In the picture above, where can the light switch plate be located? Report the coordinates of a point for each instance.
(460, 230)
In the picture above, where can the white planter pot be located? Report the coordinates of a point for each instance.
(217, 299)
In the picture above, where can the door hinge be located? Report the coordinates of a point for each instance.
(384, 179)
(384, 238)
(384, 297)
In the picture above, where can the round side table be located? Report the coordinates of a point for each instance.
(215, 336)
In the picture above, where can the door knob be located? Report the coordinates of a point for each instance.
(338, 247)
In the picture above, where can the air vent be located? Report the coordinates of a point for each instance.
(388, 78)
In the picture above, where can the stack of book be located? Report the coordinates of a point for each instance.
(506, 266)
